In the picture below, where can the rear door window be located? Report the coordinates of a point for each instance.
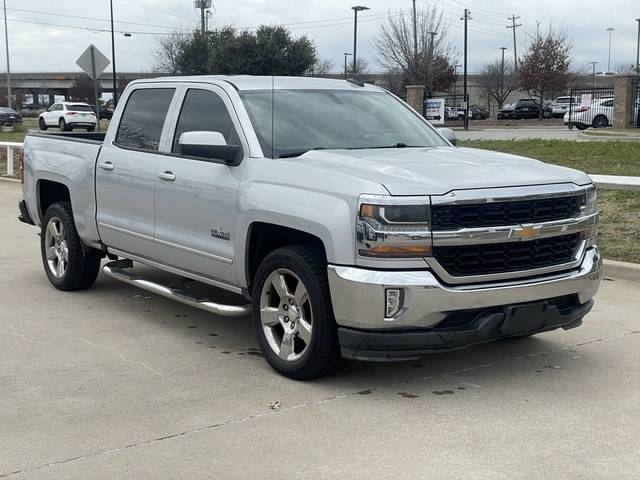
(143, 118)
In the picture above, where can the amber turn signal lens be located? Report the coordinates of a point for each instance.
(367, 211)
(389, 251)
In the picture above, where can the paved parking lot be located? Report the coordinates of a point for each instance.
(114, 383)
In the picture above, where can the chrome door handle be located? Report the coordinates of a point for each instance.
(108, 166)
(167, 176)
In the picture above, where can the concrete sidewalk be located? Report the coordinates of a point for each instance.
(112, 383)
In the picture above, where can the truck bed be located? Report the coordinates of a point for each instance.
(89, 137)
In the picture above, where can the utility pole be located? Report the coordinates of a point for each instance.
(513, 25)
(466, 18)
(113, 59)
(610, 30)
(6, 39)
(431, 63)
(415, 38)
(356, 9)
(203, 16)
(346, 68)
(638, 49)
(538, 22)
(502, 75)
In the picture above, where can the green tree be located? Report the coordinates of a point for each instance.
(271, 50)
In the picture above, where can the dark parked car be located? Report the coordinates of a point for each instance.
(479, 113)
(105, 113)
(506, 112)
(8, 116)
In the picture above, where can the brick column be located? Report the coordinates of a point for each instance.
(623, 105)
(415, 97)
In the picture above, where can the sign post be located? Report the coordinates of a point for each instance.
(93, 63)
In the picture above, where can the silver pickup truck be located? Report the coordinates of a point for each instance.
(342, 221)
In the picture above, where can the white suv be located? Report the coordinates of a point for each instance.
(67, 116)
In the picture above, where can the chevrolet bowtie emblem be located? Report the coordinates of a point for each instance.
(524, 232)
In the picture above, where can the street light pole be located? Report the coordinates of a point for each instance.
(638, 49)
(6, 39)
(610, 30)
(466, 18)
(113, 59)
(346, 68)
(356, 9)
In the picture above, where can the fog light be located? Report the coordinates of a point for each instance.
(394, 302)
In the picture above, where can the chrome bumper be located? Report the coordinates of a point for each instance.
(358, 295)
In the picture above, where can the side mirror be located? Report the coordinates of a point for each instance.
(449, 135)
(209, 146)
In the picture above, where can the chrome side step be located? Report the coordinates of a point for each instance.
(118, 270)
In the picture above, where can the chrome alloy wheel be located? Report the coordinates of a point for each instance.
(286, 316)
(56, 248)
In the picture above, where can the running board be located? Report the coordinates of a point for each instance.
(118, 270)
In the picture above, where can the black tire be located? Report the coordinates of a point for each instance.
(62, 125)
(601, 121)
(42, 124)
(582, 127)
(322, 354)
(571, 127)
(83, 263)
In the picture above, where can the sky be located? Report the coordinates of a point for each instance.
(46, 35)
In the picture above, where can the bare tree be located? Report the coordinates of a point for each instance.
(496, 83)
(321, 68)
(395, 46)
(362, 66)
(544, 68)
(168, 51)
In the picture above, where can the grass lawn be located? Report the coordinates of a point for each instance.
(620, 211)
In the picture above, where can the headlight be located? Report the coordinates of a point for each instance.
(394, 227)
(591, 203)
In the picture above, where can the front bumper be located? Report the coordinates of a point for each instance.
(358, 297)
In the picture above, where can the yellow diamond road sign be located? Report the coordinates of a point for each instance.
(93, 62)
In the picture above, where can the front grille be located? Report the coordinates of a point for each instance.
(496, 214)
(490, 259)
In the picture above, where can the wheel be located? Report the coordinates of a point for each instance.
(42, 124)
(62, 125)
(601, 121)
(570, 127)
(292, 314)
(582, 127)
(69, 264)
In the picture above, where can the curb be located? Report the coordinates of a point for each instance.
(9, 180)
(609, 138)
(622, 270)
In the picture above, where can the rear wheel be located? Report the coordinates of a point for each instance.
(69, 264)
(601, 121)
(293, 316)
(42, 124)
(62, 125)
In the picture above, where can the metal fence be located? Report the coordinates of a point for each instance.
(635, 103)
(591, 106)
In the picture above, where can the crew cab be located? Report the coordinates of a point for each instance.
(329, 210)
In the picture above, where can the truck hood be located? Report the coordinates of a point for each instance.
(439, 170)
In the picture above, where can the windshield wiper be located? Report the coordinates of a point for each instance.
(298, 153)
(397, 145)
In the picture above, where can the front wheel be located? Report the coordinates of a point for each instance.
(582, 127)
(42, 124)
(292, 314)
(600, 121)
(69, 265)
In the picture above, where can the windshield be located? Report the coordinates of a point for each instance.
(333, 119)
